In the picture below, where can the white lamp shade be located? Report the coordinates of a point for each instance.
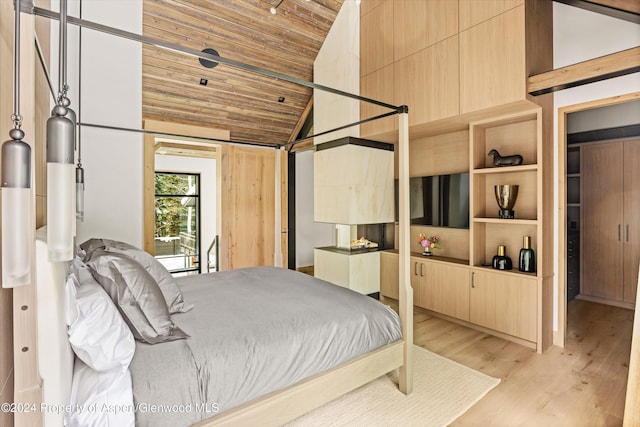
(80, 201)
(16, 223)
(61, 216)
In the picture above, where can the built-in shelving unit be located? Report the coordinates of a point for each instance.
(510, 134)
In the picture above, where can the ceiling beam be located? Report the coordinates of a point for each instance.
(628, 10)
(301, 121)
(602, 68)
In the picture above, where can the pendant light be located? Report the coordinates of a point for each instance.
(16, 187)
(79, 168)
(60, 155)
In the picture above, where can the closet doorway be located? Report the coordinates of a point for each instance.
(594, 193)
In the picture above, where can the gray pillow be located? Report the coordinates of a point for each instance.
(168, 285)
(136, 295)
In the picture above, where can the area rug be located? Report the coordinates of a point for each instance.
(443, 390)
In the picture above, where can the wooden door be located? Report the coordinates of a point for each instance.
(247, 207)
(631, 230)
(602, 221)
(482, 299)
(451, 290)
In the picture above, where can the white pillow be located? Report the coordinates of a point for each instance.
(100, 399)
(97, 333)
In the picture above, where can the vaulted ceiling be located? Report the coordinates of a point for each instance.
(245, 103)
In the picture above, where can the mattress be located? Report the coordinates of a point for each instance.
(253, 331)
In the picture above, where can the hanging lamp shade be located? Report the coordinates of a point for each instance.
(80, 193)
(16, 211)
(60, 185)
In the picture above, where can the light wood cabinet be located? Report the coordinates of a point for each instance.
(421, 274)
(450, 290)
(504, 303)
(423, 81)
(610, 235)
(389, 277)
(452, 58)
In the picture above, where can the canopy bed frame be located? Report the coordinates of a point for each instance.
(41, 353)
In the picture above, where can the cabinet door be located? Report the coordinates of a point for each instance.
(421, 274)
(631, 219)
(504, 303)
(450, 286)
(602, 221)
(389, 275)
(516, 306)
(482, 299)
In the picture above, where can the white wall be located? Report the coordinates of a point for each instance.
(111, 95)
(309, 234)
(207, 170)
(605, 117)
(579, 35)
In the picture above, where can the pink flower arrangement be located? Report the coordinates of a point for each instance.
(428, 242)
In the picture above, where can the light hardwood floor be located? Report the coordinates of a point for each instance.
(582, 385)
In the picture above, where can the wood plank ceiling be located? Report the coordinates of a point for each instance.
(244, 103)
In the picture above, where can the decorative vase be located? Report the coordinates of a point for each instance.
(506, 196)
(502, 261)
(427, 251)
(527, 260)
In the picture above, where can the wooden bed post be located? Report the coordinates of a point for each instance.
(406, 292)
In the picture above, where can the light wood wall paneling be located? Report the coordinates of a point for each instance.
(492, 62)
(378, 85)
(473, 12)
(418, 24)
(368, 5)
(426, 82)
(440, 154)
(539, 36)
(248, 193)
(376, 38)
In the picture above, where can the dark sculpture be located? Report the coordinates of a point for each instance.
(499, 160)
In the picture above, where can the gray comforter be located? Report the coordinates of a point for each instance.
(253, 331)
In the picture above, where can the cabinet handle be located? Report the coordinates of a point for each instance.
(415, 268)
(473, 279)
(627, 232)
(421, 268)
(618, 232)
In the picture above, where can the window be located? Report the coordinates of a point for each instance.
(177, 222)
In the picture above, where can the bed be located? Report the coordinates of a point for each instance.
(43, 361)
(359, 340)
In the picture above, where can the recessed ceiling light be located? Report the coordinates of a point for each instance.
(204, 82)
(281, 99)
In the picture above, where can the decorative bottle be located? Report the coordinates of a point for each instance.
(527, 261)
(502, 261)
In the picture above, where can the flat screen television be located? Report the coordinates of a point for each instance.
(439, 201)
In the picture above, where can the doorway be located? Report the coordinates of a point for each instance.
(569, 206)
(177, 222)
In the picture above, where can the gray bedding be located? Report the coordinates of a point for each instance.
(253, 331)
